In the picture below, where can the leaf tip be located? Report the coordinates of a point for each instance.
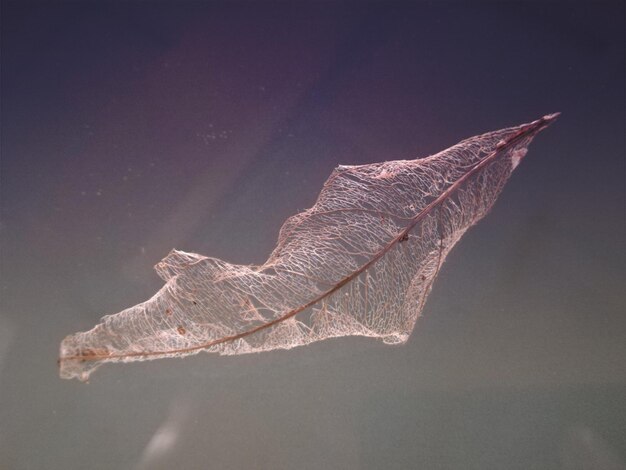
(551, 117)
(533, 128)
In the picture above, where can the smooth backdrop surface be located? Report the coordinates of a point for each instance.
(129, 129)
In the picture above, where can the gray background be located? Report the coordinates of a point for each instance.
(129, 129)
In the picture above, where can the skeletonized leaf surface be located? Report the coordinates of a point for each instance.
(361, 261)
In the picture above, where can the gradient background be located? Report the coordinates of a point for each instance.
(129, 129)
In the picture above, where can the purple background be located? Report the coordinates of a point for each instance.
(129, 129)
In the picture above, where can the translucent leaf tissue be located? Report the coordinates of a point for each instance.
(361, 261)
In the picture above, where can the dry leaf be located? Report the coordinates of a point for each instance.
(361, 261)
